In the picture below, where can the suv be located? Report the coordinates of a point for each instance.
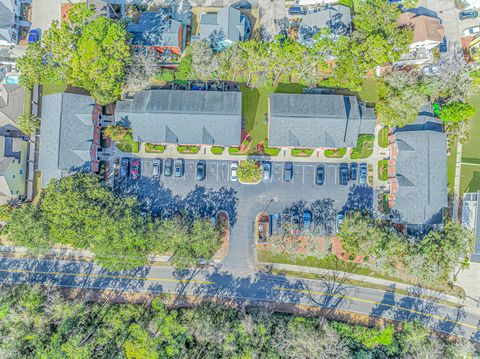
(201, 169)
(168, 167)
(468, 14)
(343, 169)
(179, 168)
(267, 170)
(156, 167)
(288, 171)
(363, 173)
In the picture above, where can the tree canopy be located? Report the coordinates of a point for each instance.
(83, 52)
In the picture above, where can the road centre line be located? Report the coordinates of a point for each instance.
(369, 301)
(26, 271)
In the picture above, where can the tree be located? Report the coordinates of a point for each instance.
(6, 212)
(118, 132)
(143, 67)
(28, 123)
(249, 171)
(87, 53)
(204, 61)
(456, 112)
(185, 69)
(28, 228)
(401, 97)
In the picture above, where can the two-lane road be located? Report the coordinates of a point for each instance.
(240, 285)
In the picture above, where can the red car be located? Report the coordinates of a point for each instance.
(135, 169)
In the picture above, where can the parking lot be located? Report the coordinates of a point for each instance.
(167, 196)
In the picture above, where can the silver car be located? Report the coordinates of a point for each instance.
(156, 167)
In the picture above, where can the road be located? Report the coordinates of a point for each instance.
(254, 287)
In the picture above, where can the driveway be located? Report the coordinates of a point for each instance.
(165, 196)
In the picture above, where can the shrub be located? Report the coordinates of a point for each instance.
(233, 150)
(302, 152)
(383, 170)
(217, 150)
(188, 149)
(165, 75)
(336, 153)
(383, 137)
(150, 147)
(364, 148)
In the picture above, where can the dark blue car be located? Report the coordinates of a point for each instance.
(33, 36)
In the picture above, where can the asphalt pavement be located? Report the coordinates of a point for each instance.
(166, 196)
(227, 285)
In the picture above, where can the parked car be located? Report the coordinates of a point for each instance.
(471, 30)
(168, 167)
(296, 10)
(267, 170)
(156, 167)
(179, 167)
(353, 171)
(363, 173)
(320, 176)
(201, 170)
(33, 36)
(431, 70)
(343, 174)
(307, 218)
(233, 171)
(124, 167)
(468, 14)
(288, 171)
(340, 218)
(135, 169)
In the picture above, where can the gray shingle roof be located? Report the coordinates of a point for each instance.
(226, 23)
(318, 120)
(11, 103)
(66, 134)
(156, 29)
(337, 18)
(421, 168)
(183, 117)
(7, 19)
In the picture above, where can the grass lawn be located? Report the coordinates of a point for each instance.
(451, 162)
(333, 263)
(302, 152)
(370, 90)
(255, 106)
(27, 102)
(151, 148)
(383, 170)
(188, 149)
(127, 145)
(53, 88)
(470, 172)
(383, 137)
(337, 153)
(364, 148)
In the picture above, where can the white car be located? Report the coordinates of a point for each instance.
(233, 171)
(431, 70)
(471, 31)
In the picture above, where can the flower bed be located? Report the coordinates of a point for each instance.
(188, 149)
(336, 153)
(151, 148)
(302, 152)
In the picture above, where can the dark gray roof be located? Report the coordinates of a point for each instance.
(337, 18)
(66, 134)
(318, 120)
(226, 24)
(421, 168)
(7, 19)
(183, 117)
(156, 29)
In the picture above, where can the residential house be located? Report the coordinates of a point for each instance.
(317, 120)
(13, 168)
(159, 31)
(337, 19)
(10, 21)
(12, 99)
(114, 9)
(471, 220)
(223, 28)
(183, 117)
(69, 135)
(428, 33)
(419, 181)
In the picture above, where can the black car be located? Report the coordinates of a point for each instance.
(353, 171)
(288, 171)
(179, 167)
(168, 169)
(343, 174)
(363, 173)
(320, 176)
(468, 14)
(124, 167)
(201, 170)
